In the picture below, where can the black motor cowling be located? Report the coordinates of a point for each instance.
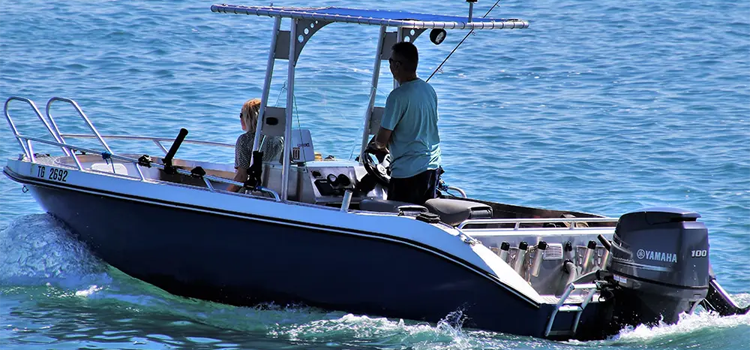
(660, 261)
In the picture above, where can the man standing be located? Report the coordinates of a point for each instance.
(409, 130)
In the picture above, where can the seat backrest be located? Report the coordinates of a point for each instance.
(455, 211)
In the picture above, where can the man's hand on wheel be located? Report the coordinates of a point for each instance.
(379, 151)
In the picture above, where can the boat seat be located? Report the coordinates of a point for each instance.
(386, 206)
(455, 211)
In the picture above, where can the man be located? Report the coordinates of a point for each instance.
(409, 130)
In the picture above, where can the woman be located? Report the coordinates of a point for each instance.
(271, 146)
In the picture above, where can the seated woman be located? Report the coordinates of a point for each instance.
(271, 146)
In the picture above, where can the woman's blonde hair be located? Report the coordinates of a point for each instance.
(249, 113)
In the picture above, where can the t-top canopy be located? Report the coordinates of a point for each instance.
(401, 19)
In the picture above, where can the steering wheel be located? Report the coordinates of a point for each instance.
(380, 170)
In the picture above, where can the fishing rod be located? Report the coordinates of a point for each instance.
(471, 3)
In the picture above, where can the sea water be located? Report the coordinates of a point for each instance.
(604, 107)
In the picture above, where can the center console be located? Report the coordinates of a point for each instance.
(320, 182)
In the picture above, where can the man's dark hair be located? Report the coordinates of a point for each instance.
(408, 55)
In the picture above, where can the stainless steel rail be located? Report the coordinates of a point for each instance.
(155, 140)
(80, 113)
(69, 150)
(561, 306)
(517, 222)
(462, 192)
(158, 166)
(27, 147)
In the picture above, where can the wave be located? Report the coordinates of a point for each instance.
(39, 248)
(704, 329)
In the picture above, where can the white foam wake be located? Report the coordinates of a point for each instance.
(38, 249)
(688, 325)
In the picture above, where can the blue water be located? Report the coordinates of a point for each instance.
(601, 106)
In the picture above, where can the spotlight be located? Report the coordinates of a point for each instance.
(437, 36)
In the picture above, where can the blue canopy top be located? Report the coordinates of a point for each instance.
(401, 19)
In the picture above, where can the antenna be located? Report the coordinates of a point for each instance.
(471, 8)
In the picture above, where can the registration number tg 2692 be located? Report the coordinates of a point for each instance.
(53, 174)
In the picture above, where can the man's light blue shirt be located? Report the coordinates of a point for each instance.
(411, 115)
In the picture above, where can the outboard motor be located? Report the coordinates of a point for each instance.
(660, 263)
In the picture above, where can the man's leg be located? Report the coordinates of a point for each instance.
(432, 184)
(399, 189)
(416, 189)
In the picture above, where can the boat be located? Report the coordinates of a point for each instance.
(323, 233)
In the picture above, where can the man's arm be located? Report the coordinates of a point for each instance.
(392, 114)
(380, 141)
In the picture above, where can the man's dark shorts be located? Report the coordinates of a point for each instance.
(416, 189)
